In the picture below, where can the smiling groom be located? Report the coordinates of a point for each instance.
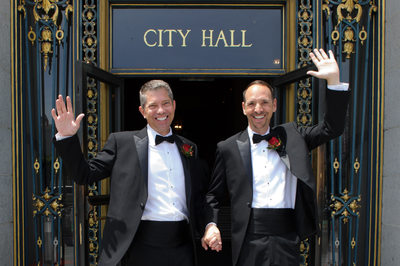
(156, 179)
(268, 177)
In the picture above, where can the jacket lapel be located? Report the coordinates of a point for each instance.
(280, 132)
(243, 144)
(186, 169)
(142, 143)
(286, 161)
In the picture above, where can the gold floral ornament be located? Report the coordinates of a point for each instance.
(46, 49)
(349, 6)
(68, 10)
(46, 10)
(47, 204)
(349, 14)
(345, 205)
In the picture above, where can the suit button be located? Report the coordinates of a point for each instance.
(142, 205)
(249, 204)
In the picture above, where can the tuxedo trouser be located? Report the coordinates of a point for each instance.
(270, 239)
(161, 243)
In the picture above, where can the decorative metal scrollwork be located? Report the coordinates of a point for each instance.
(46, 10)
(89, 55)
(36, 166)
(304, 251)
(356, 166)
(345, 205)
(336, 165)
(43, 30)
(305, 45)
(32, 35)
(46, 44)
(305, 42)
(349, 25)
(349, 14)
(47, 204)
(46, 14)
(39, 242)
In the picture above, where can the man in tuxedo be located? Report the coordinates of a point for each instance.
(268, 176)
(156, 181)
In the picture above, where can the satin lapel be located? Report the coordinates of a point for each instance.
(186, 170)
(243, 143)
(281, 133)
(142, 144)
(286, 161)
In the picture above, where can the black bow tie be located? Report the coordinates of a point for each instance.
(258, 138)
(159, 139)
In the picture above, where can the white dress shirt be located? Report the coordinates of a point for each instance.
(274, 186)
(166, 182)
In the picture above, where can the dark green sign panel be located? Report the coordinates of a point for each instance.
(197, 40)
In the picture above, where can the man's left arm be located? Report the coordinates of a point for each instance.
(337, 98)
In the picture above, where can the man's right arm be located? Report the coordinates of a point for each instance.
(82, 171)
(68, 146)
(215, 194)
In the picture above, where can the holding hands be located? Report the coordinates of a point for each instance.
(212, 238)
(65, 118)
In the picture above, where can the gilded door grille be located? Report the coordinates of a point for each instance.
(44, 37)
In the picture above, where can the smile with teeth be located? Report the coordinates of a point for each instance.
(259, 116)
(161, 118)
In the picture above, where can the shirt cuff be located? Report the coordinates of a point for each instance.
(339, 87)
(211, 223)
(59, 137)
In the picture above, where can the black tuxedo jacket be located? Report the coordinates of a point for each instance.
(233, 170)
(124, 159)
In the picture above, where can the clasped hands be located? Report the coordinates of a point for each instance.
(212, 238)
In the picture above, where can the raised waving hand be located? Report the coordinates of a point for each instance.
(64, 119)
(327, 66)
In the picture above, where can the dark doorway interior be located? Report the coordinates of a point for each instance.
(208, 110)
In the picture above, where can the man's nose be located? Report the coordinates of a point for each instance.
(258, 107)
(160, 109)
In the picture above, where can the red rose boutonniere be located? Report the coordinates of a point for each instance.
(187, 150)
(274, 143)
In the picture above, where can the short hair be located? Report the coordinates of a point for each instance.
(259, 82)
(153, 85)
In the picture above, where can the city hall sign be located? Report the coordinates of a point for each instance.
(204, 40)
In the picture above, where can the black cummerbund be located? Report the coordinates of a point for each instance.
(271, 221)
(163, 234)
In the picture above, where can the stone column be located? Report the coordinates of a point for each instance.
(390, 254)
(6, 194)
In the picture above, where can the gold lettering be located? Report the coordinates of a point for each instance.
(221, 36)
(233, 39)
(184, 37)
(244, 40)
(170, 37)
(160, 38)
(210, 37)
(145, 38)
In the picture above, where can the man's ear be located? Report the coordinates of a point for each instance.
(141, 110)
(244, 110)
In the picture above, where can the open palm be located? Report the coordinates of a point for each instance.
(327, 67)
(64, 119)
